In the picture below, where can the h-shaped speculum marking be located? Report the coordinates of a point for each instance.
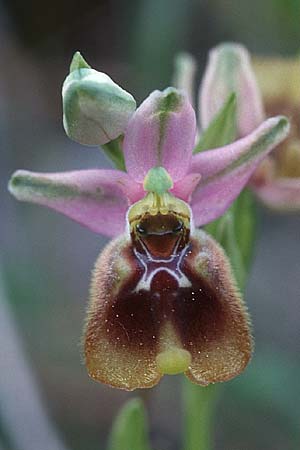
(152, 266)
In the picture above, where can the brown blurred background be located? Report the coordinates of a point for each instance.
(47, 259)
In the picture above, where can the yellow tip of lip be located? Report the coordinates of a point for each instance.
(173, 361)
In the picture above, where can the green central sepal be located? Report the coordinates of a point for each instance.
(158, 180)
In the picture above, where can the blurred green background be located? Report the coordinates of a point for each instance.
(47, 259)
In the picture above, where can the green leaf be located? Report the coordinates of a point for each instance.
(199, 407)
(245, 225)
(114, 152)
(224, 231)
(236, 231)
(222, 129)
(129, 431)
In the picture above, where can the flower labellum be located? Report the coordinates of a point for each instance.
(163, 298)
(95, 109)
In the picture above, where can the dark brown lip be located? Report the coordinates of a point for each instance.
(167, 253)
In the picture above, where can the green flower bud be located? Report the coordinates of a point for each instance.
(95, 109)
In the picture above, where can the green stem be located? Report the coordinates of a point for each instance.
(114, 152)
(199, 407)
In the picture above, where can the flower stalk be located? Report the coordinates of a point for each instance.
(199, 409)
(114, 152)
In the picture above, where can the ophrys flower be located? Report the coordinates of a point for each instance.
(163, 298)
(263, 86)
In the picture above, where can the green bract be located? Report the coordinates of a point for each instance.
(222, 129)
(95, 109)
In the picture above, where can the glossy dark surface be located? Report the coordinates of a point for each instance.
(161, 235)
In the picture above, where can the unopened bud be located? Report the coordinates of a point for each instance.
(96, 110)
(229, 70)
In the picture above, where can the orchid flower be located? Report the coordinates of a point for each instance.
(270, 84)
(163, 296)
(277, 182)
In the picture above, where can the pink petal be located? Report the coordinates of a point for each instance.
(226, 170)
(98, 199)
(160, 133)
(229, 70)
(185, 187)
(280, 194)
